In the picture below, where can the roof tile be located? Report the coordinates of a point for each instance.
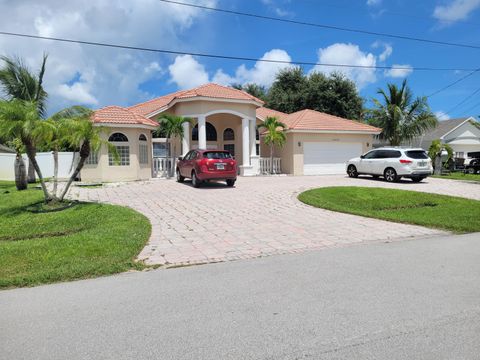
(120, 115)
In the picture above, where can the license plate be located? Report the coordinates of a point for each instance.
(422, 163)
(220, 166)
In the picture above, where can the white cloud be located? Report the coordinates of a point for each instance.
(399, 71)
(374, 2)
(348, 54)
(442, 115)
(456, 10)
(78, 93)
(187, 72)
(93, 75)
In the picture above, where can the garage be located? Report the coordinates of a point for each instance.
(325, 158)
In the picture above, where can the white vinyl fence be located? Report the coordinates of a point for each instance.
(66, 164)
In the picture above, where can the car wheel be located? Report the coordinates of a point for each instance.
(390, 175)
(417, 179)
(195, 182)
(180, 178)
(471, 171)
(230, 182)
(352, 171)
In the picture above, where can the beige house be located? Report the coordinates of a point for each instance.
(226, 119)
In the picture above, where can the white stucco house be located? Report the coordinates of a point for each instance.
(227, 119)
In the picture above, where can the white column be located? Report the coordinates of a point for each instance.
(202, 133)
(253, 138)
(246, 142)
(186, 138)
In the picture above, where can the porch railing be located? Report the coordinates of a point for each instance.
(163, 166)
(266, 166)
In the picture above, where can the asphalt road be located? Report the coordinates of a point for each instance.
(415, 299)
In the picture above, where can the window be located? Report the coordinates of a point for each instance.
(191, 155)
(417, 154)
(388, 154)
(124, 156)
(217, 155)
(123, 151)
(92, 158)
(142, 149)
(371, 155)
(160, 149)
(258, 149)
(460, 155)
(118, 137)
(257, 135)
(210, 130)
(228, 135)
(230, 148)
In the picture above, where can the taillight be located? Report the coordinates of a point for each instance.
(402, 161)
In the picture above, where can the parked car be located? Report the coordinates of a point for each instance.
(206, 165)
(472, 163)
(392, 163)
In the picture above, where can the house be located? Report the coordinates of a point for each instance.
(224, 118)
(461, 134)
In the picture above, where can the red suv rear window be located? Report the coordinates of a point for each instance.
(217, 155)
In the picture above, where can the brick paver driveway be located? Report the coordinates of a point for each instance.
(259, 217)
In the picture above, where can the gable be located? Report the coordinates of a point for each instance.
(464, 131)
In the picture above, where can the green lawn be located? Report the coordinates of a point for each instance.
(459, 176)
(83, 241)
(435, 211)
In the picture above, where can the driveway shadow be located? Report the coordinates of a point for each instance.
(382, 180)
(211, 185)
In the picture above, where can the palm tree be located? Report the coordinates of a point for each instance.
(273, 136)
(79, 132)
(18, 122)
(401, 117)
(436, 151)
(18, 82)
(172, 127)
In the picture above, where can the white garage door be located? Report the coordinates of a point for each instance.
(321, 158)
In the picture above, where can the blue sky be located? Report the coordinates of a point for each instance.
(98, 76)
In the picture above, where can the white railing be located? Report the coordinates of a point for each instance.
(163, 166)
(266, 166)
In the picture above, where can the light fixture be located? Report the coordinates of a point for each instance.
(299, 144)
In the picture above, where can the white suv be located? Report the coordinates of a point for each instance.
(392, 163)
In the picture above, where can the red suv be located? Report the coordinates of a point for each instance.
(205, 165)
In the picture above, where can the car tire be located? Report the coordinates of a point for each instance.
(195, 182)
(471, 170)
(418, 179)
(230, 182)
(180, 178)
(352, 171)
(390, 175)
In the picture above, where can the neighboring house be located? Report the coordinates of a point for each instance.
(5, 149)
(461, 134)
(224, 118)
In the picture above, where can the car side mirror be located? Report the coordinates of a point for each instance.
(180, 158)
(362, 156)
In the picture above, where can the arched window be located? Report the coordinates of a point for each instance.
(118, 137)
(142, 149)
(123, 151)
(210, 130)
(228, 134)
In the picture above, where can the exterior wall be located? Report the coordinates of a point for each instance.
(135, 171)
(204, 107)
(465, 139)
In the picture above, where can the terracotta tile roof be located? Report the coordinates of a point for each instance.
(316, 121)
(211, 90)
(120, 115)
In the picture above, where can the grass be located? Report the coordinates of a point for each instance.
(459, 176)
(83, 241)
(449, 213)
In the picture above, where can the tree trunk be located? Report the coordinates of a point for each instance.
(271, 159)
(55, 172)
(438, 164)
(31, 158)
(20, 173)
(31, 174)
(84, 153)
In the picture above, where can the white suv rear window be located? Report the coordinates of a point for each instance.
(416, 154)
